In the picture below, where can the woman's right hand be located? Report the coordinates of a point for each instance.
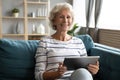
(62, 69)
(55, 74)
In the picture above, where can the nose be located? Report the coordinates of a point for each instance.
(65, 19)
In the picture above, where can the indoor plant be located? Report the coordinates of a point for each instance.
(15, 12)
(72, 31)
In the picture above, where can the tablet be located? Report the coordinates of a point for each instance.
(73, 63)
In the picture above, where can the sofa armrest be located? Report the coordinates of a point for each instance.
(107, 47)
(109, 62)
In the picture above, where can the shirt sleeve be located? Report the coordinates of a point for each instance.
(41, 60)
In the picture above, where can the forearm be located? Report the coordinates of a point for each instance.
(51, 75)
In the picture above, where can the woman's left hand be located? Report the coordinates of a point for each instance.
(93, 68)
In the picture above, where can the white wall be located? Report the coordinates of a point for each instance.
(8, 7)
(53, 2)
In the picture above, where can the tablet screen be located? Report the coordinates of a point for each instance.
(73, 63)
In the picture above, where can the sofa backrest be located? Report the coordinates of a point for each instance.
(17, 57)
(88, 41)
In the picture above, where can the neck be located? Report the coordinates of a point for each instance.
(61, 36)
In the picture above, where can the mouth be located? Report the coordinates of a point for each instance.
(64, 24)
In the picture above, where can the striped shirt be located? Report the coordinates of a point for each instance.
(51, 52)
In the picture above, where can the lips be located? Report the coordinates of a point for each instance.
(64, 25)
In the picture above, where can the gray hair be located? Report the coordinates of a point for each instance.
(56, 9)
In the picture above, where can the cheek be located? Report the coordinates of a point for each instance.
(70, 22)
(56, 21)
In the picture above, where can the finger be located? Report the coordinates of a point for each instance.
(93, 66)
(60, 64)
(93, 70)
(62, 69)
(97, 62)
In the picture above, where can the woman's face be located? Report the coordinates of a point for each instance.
(63, 20)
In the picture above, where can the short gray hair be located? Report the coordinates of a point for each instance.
(56, 9)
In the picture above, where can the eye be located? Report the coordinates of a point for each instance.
(61, 16)
(68, 17)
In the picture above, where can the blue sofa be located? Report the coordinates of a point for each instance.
(17, 59)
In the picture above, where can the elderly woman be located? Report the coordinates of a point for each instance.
(53, 49)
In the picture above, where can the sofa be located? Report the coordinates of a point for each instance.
(17, 59)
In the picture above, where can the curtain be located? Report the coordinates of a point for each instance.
(83, 14)
(90, 4)
(98, 4)
(88, 7)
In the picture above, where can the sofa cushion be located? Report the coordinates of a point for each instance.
(17, 59)
(87, 40)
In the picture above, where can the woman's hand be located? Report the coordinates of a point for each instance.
(52, 75)
(93, 68)
(62, 69)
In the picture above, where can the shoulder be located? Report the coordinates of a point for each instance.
(76, 39)
(46, 38)
(44, 41)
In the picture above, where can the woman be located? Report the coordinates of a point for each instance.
(53, 49)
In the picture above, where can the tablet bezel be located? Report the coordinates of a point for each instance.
(73, 63)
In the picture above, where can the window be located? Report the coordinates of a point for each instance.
(109, 16)
(79, 11)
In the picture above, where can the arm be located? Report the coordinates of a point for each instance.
(41, 60)
(41, 64)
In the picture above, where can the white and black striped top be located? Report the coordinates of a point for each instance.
(51, 51)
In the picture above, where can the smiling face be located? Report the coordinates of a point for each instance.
(63, 20)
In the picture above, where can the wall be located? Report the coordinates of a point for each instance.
(53, 2)
(19, 4)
